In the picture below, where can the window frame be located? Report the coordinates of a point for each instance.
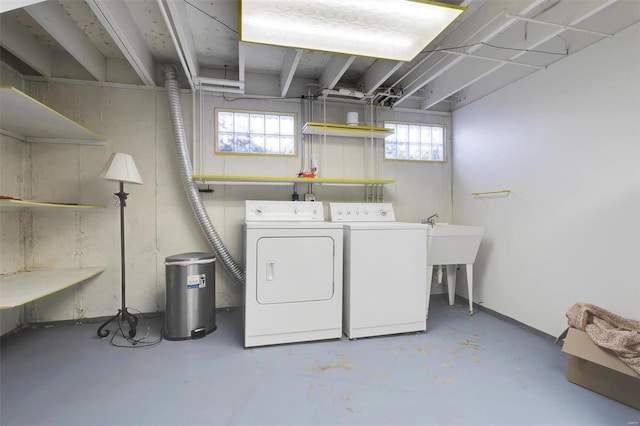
(216, 124)
(408, 123)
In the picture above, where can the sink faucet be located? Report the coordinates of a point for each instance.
(431, 220)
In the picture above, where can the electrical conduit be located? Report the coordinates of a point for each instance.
(186, 173)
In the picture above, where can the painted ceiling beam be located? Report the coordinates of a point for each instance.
(335, 69)
(7, 5)
(492, 82)
(289, 66)
(116, 19)
(471, 71)
(377, 74)
(17, 40)
(486, 23)
(180, 19)
(241, 61)
(54, 19)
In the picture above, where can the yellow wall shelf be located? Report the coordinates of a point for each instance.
(24, 287)
(28, 120)
(31, 205)
(284, 180)
(330, 129)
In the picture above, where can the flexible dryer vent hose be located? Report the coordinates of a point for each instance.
(186, 173)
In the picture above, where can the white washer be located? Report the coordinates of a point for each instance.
(293, 258)
(385, 273)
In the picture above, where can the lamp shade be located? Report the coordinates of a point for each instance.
(121, 168)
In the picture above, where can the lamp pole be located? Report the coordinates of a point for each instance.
(131, 319)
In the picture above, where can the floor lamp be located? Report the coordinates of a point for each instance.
(121, 168)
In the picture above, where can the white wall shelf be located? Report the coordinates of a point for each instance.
(24, 287)
(345, 130)
(286, 180)
(31, 205)
(28, 120)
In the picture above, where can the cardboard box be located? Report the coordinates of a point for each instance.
(600, 370)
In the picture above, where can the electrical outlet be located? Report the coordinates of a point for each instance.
(310, 196)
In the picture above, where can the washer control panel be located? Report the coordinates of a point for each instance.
(362, 212)
(284, 211)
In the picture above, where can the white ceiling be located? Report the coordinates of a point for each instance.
(130, 41)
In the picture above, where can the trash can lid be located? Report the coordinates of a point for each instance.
(189, 258)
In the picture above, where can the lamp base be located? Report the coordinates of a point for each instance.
(122, 316)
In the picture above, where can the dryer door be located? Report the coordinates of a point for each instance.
(294, 269)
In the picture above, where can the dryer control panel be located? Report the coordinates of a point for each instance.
(362, 212)
(283, 211)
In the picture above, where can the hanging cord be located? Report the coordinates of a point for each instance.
(135, 343)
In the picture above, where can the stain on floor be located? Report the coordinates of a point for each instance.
(343, 363)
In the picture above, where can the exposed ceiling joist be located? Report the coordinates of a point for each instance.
(485, 24)
(469, 73)
(178, 14)
(473, 69)
(241, 61)
(553, 24)
(377, 74)
(498, 60)
(484, 49)
(492, 82)
(117, 20)
(289, 65)
(7, 5)
(335, 69)
(53, 18)
(17, 40)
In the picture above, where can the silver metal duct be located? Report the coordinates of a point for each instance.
(186, 173)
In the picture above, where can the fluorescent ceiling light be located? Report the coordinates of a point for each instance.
(389, 29)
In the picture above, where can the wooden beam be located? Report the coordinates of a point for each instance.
(485, 24)
(472, 70)
(378, 73)
(335, 69)
(7, 5)
(117, 20)
(289, 65)
(24, 46)
(54, 19)
(178, 13)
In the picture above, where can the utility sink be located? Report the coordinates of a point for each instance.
(453, 245)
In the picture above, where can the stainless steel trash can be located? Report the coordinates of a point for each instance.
(190, 299)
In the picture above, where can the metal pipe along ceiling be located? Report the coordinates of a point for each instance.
(186, 173)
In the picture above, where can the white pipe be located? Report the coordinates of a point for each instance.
(220, 82)
(222, 90)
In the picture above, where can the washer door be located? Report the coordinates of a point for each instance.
(294, 269)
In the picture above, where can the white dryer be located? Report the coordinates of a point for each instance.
(385, 272)
(293, 258)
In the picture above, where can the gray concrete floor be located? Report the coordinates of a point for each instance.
(465, 370)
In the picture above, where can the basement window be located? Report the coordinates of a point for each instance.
(255, 132)
(415, 142)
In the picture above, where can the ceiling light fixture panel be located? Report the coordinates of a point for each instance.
(388, 29)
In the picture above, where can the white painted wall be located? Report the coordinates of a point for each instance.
(159, 221)
(566, 141)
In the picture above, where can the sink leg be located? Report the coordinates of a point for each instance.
(429, 279)
(470, 286)
(451, 282)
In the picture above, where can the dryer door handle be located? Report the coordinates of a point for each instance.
(270, 271)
